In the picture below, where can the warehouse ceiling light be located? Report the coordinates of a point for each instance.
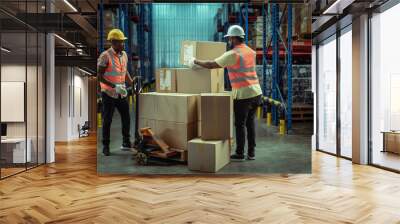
(65, 41)
(5, 50)
(70, 5)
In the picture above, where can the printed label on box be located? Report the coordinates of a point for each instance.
(187, 53)
(165, 80)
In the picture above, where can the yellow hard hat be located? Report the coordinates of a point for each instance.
(116, 34)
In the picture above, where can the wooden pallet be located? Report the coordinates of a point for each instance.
(183, 154)
(302, 112)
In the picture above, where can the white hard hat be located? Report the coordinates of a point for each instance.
(235, 31)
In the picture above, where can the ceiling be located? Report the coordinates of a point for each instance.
(72, 20)
(328, 16)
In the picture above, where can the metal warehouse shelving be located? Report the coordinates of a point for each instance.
(139, 46)
(273, 51)
(277, 55)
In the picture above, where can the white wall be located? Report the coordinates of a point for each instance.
(71, 99)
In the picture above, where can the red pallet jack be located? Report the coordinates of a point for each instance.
(148, 146)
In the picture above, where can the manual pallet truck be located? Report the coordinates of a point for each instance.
(150, 147)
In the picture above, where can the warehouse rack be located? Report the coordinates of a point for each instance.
(274, 48)
(139, 46)
(278, 53)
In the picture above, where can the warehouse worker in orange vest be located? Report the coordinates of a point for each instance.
(113, 73)
(246, 90)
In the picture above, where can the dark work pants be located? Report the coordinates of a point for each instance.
(245, 111)
(122, 105)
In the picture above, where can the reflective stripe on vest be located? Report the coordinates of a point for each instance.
(114, 73)
(243, 73)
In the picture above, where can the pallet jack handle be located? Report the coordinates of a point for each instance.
(137, 89)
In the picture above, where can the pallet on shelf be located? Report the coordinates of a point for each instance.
(302, 112)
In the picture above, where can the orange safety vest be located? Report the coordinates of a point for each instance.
(243, 73)
(115, 72)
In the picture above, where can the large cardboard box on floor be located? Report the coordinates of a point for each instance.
(174, 107)
(175, 134)
(166, 80)
(172, 116)
(203, 50)
(208, 156)
(200, 80)
(216, 116)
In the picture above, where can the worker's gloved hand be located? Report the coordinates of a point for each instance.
(121, 89)
(192, 65)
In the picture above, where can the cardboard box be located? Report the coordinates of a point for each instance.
(258, 41)
(200, 80)
(203, 50)
(216, 116)
(175, 134)
(174, 107)
(208, 156)
(166, 80)
(147, 105)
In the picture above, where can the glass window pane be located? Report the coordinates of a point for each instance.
(385, 84)
(327, 96)
(31, 96)
(15, 151)
(346, 94)
(41, 99)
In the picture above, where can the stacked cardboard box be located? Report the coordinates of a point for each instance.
(171, 116)
(216, 116)
(257, 31)
(181, 80)
(166, 80)
(202, 50)
(305, 23)
(189, 103)
(208, 156)
(211, 152)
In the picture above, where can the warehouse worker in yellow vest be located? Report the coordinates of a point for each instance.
(112, 67)
(246, 90)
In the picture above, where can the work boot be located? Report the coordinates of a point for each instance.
(237, 157)
(251, 157)
(251, 154)
(126, 146)
(106, 150)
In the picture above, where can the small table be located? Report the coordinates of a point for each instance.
(13, 150)
(391, 141)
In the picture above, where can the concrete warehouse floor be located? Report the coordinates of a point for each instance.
(274, 154)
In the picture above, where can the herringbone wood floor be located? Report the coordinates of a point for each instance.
(70, 191)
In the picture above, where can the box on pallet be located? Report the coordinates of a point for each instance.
(175, 134)
(208, 156)
(203, 50)
(175, 107)
(173, 116)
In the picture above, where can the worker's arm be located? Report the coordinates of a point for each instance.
(100, 76)
(129, 79)
(206, 63)
(225, 60)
